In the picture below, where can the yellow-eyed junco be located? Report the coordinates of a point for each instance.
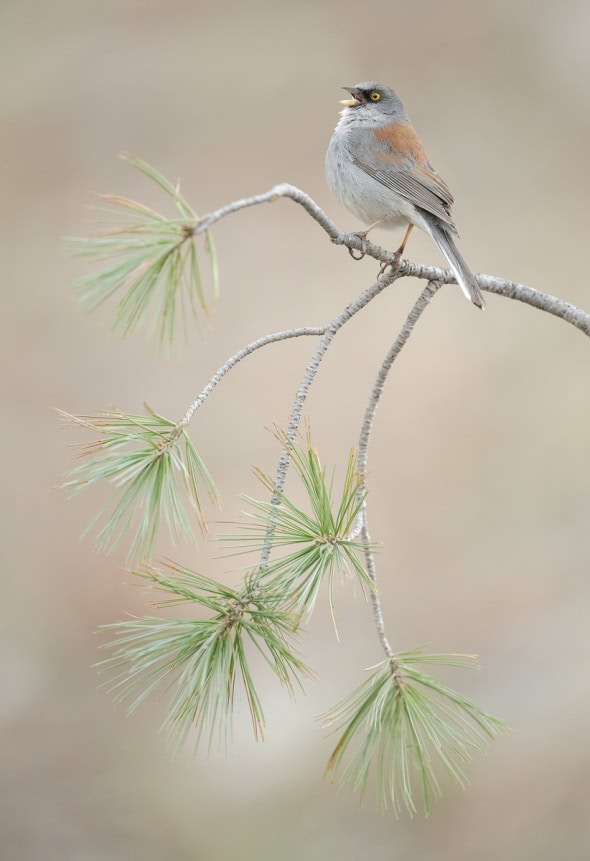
(377, 167)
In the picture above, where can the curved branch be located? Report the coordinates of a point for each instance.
(276, 193)
(241, 354)
(543, 301)
(419, 307)
(509, 289)
(492, 284)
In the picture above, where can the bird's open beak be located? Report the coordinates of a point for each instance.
(351, 103)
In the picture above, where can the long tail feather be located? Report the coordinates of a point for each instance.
(462, 272)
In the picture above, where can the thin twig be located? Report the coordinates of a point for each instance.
(419, 306)
(295, 418)
(372, 572)
(241, 354)
(276, 193)
(509, 289)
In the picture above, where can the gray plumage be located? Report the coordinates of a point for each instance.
(377, 167)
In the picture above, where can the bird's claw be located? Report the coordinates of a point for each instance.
(393, 265)
(358, 254)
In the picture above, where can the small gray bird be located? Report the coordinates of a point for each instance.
(377, 167)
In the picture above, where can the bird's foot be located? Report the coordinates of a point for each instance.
(358, 254)
(393, 265)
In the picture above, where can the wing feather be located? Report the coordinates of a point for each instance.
(419, 185)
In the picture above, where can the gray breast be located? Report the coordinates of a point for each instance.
(367, 198)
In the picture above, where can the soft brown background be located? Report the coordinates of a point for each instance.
(479, 485)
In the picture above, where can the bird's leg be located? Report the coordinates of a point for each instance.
(400, 250)
(362, 235)
(398, 253)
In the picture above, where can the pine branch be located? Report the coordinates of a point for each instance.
(403, 726)
(155, 469)
(406, 268)
(155, 263)
(151, 261)
(203, 661)
(316, 539)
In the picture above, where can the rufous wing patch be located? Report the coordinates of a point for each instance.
(404, 143)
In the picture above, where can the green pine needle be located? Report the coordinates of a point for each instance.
(404, 727)
(157, 473)
(203, 662)
(320, 536)
(151, 260)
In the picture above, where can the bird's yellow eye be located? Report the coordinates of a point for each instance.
(375, 96)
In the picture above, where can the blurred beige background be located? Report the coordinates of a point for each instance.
(479, 485)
